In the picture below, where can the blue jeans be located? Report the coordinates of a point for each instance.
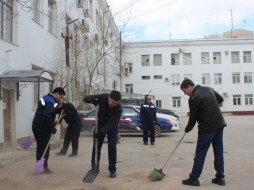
(204, 141)
(112, 152)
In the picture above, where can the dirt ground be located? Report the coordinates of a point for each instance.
(136, 161)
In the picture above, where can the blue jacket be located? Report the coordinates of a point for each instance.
(44, 118)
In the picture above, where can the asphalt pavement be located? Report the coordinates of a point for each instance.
(135, 162)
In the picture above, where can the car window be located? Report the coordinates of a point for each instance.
(129, 112)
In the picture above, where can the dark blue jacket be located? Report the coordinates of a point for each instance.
(148, 113)
(44, 118)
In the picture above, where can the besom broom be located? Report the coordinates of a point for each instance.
(157, 174)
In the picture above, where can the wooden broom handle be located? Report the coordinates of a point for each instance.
(59, 118)
(174, 150)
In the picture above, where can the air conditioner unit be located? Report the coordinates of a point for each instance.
(225, 94)
(166, 79)
(96, 38)
(86, 12)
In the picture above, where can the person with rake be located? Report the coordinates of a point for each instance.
(43, 124)
(109, 114)
(204, 109)
(72, 134)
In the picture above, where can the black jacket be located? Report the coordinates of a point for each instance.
(71, 114)
(108, 118)
(204, 109)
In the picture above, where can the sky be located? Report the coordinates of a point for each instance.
(148, 20)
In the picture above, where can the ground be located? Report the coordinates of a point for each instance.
(136, 161)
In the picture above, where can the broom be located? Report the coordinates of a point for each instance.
(26, 143)
(39, 167)
(157, 174)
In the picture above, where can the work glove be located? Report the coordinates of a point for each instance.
(53, 130)
(187, 129)
(98, 135)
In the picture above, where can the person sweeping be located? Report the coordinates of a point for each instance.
(43, 124)
(204, 109)
(72, 134)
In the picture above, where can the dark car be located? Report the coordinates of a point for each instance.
(130, 122)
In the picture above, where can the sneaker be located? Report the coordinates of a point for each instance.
(145, 143)
(73, 154)
(47, 171)
(112, 174)
(219, 181)
(152, 143)
(191, 181)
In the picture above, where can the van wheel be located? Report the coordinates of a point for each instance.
(157, 130)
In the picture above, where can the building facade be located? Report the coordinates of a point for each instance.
(68, 43)
(225, 64)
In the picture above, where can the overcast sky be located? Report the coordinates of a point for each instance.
(180, 19)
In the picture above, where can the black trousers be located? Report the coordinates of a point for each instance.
(42, 139)
(148, 127)
(112, 151)
(71, 136)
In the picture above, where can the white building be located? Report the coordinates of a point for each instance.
(157, 68)
(32, 54)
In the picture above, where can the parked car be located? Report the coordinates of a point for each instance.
(130, 122)
(164, 111)
(168, 112)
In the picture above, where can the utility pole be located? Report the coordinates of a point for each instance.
(67, 57)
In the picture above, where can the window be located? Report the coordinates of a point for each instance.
(217, 78)
(158, 103)
(36, 11)
(248, 77)
(216, 57)
(236, 100)
(129, 88)
(6, 20)
(175, 59)
(236, 78)
(129, 112)
(248, 99)
(157, 76)
(204, 57)
(235, 57)
(52, 16)
(187, 58)
(176, 101)
(187, 76)
(247, 56)
(175, 79)
(145, 77)
(206, 79)
(157, 61)
(127, 68)
(145, 60)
